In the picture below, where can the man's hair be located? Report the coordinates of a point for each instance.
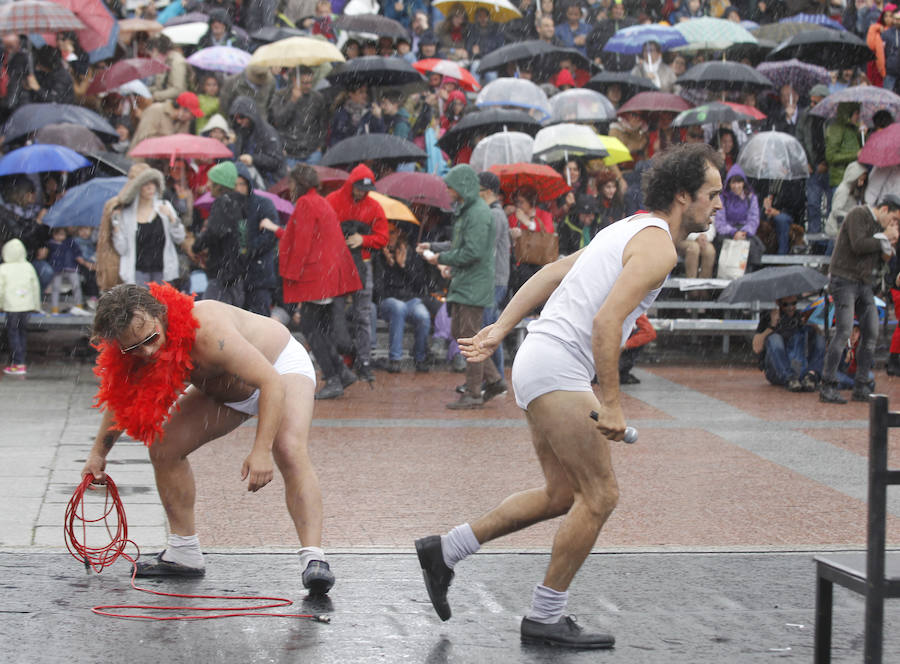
(890, 201)
(118, 306)
(304, 178)
(393, 95)
(681, 168)
(161, 43)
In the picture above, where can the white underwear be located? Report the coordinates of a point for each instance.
(293, 360)
(543, 364)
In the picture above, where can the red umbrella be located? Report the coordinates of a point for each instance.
(882, 148)
(329, 180)
(549, 184)
(753, 112)
(180, 146)
(101, 27)
(644, 102)
(29, 16)
(124, 71)
(449, 69)
(421, 188)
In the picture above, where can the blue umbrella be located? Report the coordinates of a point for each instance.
(631, 40)
(815, 19)
(83, 205)
(40, 158)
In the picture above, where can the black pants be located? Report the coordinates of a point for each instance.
(316, 324)
(16, 324)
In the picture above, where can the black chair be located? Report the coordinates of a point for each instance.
(872, 573)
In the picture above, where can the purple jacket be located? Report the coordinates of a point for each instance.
(737, 213)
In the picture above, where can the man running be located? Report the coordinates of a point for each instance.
(153, 342)
(592, 299)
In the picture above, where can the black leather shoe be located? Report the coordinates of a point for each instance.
(347, 376)
(495, 389)
(828, 393)
(394, 366)
(318, 577)
(861, 393)
(566, 633)
(156, 566)
(364, 371)
(628, 378)
(437, 575)
(332, 390)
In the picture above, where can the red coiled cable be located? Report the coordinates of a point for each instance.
(100, 557)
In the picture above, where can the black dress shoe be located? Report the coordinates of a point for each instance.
(332, 390)
(566, 633)
(156, 566)
(828, 393)
(437, 575)
(628, 378)
(495, 389)
(347, 376)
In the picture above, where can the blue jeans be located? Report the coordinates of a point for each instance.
(816, 186)
(852, 297)
(783, 223)
(795, 358)
(16, 330)
(44, 272)
(491, 314)
(396, 313)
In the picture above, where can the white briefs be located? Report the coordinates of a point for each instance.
(293, 360)
(543, 364)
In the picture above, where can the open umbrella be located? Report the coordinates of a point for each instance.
(814, 19)
(713, 34)
(190, 17)
(882, 148)
(778, 32)
(135, 88)
(180, 146)
(715, 113)
(774, 155)
(450, 69)
(73, 136)
(31, 117)
(484, 123)
(870, 98)
(505, 147)
(41, 158)
(631, 40)
(649, 102)
(802, 76)
(563, 141)
(771, 283)
(274, 33)
(416, 189)
(533, 54)
(375, 70)
(84, 204)
(296, 52)
(100, 32)
(284, 207)
(111, 162)
(549, 184)
(500, 11)
(372, 147)
(618, 152)
(129, 26)
(755, 53)
(372, 24)
(394, 210)
(124, 71)
(829, 48)
(29, 16)
(515, 93)
(629, 83)
(721, 75)
(220, 58)
(580, 105)
(750, 111)
(186, 34)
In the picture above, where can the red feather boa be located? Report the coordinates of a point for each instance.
(141, 395)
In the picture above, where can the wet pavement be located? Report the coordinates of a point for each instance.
(730, 490)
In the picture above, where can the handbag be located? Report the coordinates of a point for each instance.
(536, 248)
(733, 258)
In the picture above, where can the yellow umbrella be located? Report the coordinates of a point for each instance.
(501, 11)
(296, 52)
(394, 209)
(618, 153)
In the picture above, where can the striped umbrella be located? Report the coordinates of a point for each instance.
(220, 58)
(631, 40)
(802, 76)
(29, 16)
(814, 19)
(713, 33)
(450, 69)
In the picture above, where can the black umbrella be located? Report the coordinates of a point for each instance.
(629, 83)
(485, 123)
(371, 23)
(771, 283)
(375, 70)
(31, 117)
(526, 50)
(721, 75)
(81, 139)
(832, 49)
(755, 53)
(372, 147)
(274, 33)
(111, 162)
(712, 113)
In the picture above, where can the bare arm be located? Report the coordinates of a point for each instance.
(103, 443)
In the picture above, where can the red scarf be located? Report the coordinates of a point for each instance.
(140, 395)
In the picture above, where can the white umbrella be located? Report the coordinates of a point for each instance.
(507, 147)
(561, 141)
(135, 87)
(581, 105)
(774, 155)
(515, 93)
(186, 33)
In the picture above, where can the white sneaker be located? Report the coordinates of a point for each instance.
(78, 311)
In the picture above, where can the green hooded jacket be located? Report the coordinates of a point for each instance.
(471, 253)
(842, 142)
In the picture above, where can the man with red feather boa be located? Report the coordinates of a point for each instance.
(177, 374)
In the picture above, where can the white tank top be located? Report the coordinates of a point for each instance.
(568, 315)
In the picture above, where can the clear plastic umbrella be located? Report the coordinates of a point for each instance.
(508, 147)
(515, 93)
(562, 141)
(581, 105)
(774, 155)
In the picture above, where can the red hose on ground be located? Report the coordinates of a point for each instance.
(98, 558)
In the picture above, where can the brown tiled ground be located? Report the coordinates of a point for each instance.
(384, 486)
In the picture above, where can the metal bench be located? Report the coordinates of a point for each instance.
(874, 574)
(810, 260)
(44, 322)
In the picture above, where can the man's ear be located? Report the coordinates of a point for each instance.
(682, 198)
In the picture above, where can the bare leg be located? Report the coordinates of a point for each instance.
(301, 484)
(200, 420)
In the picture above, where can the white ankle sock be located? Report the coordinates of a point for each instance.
(457, 544)
(308, 553)
(184, 550)
(547, 605)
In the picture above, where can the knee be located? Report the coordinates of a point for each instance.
(603, 501)
(559, 501)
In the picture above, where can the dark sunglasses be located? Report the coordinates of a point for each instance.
(146, 342)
